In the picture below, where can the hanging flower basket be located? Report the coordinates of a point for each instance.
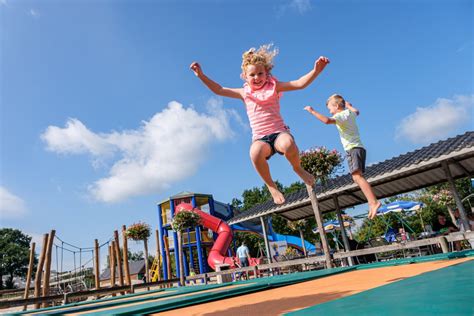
(444, 198)
(184, 220)
(138, 231)
(321, 162)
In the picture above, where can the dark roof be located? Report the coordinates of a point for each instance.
(185, 194)
(135, 267)
(411, 171)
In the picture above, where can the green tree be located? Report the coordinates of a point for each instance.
(294, 187)
(254, 242)
(252, 197)
(135, 256)
(14, 255)
(376, 227)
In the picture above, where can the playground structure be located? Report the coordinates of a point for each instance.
(204, 247)
(197, 242)
(217, 254)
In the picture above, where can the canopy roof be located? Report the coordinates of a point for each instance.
(408, 172)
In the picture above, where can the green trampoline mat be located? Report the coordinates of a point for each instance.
(447, 291)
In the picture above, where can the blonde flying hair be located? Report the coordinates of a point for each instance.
(338, 99)
(262, 56)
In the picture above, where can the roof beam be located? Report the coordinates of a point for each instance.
(461, 167)
(358, 198)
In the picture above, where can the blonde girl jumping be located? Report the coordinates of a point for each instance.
(261, 94)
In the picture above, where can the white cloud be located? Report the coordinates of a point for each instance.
(34, 13)
(11, 206)
(436, 121)
(301, 6)
(76, 138)
(164, 150)
(3, 2)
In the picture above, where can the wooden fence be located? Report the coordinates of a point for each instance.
(255, 271)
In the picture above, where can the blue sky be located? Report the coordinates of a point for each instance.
(101, 117)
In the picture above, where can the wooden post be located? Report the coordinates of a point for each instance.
(451, 214)
(112, 264)
(181, 263)
(159, 247)
(319, 221)
(118, 258)
(168, 261)
(97, 266)
(350, 233)
(303, 242)
(345, 240)
(455, 193)
(39, 269)
(47, 265)
(147, 268)
(126, 266)
(444, 244)
(30, 272)
(265, 238)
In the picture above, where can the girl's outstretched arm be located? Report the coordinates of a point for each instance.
(305, 80)
(214, 86)
(319, 116)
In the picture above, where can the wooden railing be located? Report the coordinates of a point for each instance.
(68, 297)
(320, 260)
(259, 270)
(442, 240)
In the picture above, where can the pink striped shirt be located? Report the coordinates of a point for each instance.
(263, 109)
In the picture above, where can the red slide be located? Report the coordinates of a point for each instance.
(217, 255)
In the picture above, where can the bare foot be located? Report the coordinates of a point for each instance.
(277, 196)
(373, 207)
(307, 177)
